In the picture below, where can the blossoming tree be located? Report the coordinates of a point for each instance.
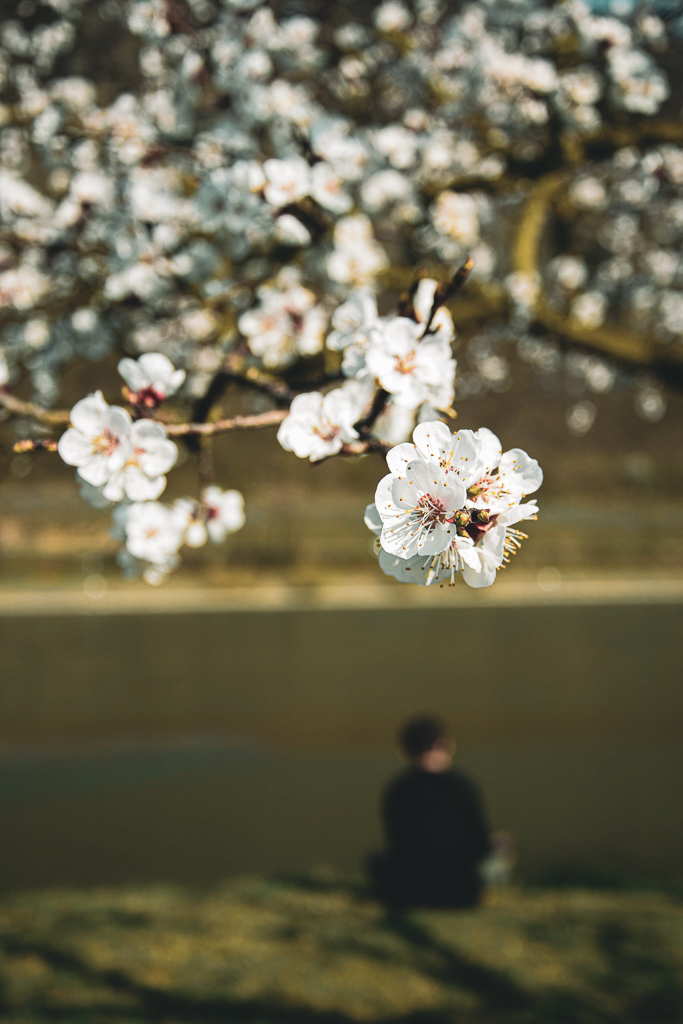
(293, 204)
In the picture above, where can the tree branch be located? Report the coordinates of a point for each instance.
(264, 419)
(361, 447)
(612, 341)
(236, 368)
(53, 417)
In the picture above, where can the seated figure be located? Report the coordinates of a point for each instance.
(436, 833)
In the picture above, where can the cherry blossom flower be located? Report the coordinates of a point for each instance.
(99, 441)
(354, 322)
(455, 214)
(442, 510)
(498, 480)
(423, 569)
(152, 533)
(327, 188)
(151, 379)
(494, 480)
(478, 554)
(218, 514)
(287, 321)
(494, 544)
(142, 477)
(413, 368)
(320, 425)
(190, 518)
(224, 512)
(357, 257)
(287, 181)
(416, 502)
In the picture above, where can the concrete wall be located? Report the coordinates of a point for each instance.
(192, 745)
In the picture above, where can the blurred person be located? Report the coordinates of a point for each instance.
(435, 829)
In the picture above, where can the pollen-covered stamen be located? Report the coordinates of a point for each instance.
(487, 485)
(430, 510)
(513, 542)
(134, 460)
(406, 364)
(448, 562)
(105, 443)
(326, 430)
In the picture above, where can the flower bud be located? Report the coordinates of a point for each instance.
(462, 518)
(481, 515)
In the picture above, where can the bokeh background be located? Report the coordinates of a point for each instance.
(190, 775)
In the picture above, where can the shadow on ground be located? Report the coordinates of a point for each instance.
(294, 951)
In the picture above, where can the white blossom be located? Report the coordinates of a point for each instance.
(152, 533)
(152, 378)
(286, 322)
(455, 214)
(320, 425)
(99, 441)
(224, 512)
(354, 322)
(327, 188)
(449, 505)
(142, 477)
(287, 181)
(417, 500)
(413, 368)
(357, 258)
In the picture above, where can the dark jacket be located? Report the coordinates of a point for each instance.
(436, 836)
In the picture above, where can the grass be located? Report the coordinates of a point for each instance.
(300, 951)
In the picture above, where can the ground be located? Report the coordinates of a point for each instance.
(312, 951)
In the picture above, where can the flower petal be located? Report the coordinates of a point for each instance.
(74, 447)
(399, 457)
(521, 471)
(88, 414)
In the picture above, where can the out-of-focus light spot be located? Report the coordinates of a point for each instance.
(95, 586)
(549, 578)
(21, 466)
(650, 404)
(581, 417)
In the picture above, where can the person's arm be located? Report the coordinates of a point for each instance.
(478, 829)
(396, 816)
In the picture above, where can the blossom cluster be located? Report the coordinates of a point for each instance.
(450, 503)
(123, 461)
(262, 168)
(246, 197)
(408, 357)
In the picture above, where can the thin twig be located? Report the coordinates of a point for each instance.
(372, 444)
(54, 417)
(236, 368)
(264, 419)
(379, 402)
(60, 417)
(444, 293)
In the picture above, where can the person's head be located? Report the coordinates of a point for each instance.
(426, 744)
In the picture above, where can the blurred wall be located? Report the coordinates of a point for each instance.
(193, 745)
